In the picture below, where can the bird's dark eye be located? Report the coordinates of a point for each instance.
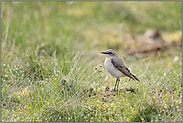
(109, 52)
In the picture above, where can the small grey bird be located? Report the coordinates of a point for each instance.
(115, 66)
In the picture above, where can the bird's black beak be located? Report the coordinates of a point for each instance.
(104, 52)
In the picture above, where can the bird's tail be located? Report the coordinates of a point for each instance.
(134, 77)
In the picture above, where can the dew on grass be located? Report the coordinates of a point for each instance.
(103, 87)
(13, 75)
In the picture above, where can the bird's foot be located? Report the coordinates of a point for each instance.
(115, 90)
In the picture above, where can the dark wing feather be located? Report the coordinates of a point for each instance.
(127, 69)
(123, 69)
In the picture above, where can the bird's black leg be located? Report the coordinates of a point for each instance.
(118, 83)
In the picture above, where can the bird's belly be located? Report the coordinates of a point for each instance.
(113, 71)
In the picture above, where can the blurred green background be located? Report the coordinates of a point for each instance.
(49, 51)
(87, 23)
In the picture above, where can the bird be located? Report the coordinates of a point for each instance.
(115, 67)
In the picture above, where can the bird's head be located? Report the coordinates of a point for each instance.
(110, 53)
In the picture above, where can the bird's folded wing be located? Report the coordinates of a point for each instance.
(120, 66)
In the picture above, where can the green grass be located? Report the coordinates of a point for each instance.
(49, 51)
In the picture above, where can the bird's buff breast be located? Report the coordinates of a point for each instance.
(112, 69)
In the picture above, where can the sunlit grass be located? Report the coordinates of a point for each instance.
(52, 69)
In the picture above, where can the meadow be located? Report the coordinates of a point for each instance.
(52, 69)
